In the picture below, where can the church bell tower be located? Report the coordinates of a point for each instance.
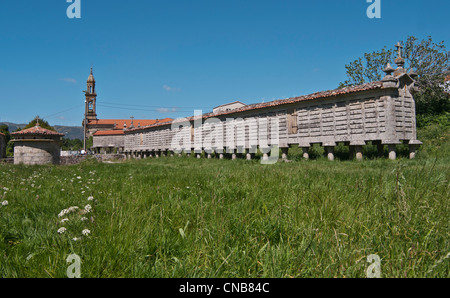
(91, 98)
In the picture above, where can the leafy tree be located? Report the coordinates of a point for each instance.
(428, 59)
(5, 130)
(42, 123)
(72, 144)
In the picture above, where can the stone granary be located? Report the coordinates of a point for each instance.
(36, 146)
(2, 145)
(380, 112)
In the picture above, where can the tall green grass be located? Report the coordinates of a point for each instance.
(187, 217)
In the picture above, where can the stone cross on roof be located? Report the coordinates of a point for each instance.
(37, 120)
(399, 49)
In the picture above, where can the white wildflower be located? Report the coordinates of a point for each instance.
(90, 198)
(83, 218)
(88, 208)
(76, 239)
(73, 208)
(64, 220)
(78, 177)
(5, 203)
(86, 232)
(62, 230)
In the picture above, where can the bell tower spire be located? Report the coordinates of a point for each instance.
(91, 98)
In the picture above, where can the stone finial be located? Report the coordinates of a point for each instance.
(399, 60)
(37, 120)
(388, 69)
(389, 80)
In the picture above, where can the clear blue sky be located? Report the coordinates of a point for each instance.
(165, 58)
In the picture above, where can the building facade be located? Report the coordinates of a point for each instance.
(107, 134)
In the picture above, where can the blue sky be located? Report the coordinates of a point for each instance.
(158, 59)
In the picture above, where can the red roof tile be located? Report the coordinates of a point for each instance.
(37, 130)
(114, 132)
(120, 122)
(1, 134)
(314, 96)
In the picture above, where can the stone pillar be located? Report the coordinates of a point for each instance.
(198, 155)
(265, 156)
(413, 146)
(157, 154)
(209, 156)
(249, 156)
(220, 155)
(412, 151)
(284, 153)
(359, 152)
(233, 155)
(330, 152)
(392, 151)
(305, 152)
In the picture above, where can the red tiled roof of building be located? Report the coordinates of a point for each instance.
(120, 122)
(314, 96)
(447, 78)
(114, 132)
(37, 130)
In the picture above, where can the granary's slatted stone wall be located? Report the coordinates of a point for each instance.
(382, 112)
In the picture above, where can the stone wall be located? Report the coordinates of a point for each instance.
(36, 152)
(109, 141)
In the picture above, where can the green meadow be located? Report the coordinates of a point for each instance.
(188, 217)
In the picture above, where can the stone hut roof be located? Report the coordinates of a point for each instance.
(37, 131)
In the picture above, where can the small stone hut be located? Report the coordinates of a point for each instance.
(2, 145)
(37, 146)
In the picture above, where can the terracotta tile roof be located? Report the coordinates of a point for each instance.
(120, 122)
(314, 96)
(114, 132)
(37, 130)
(1, 134)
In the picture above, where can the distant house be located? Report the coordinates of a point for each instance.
(228, 107)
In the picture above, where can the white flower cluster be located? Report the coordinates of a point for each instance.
(67, 211)
(5, 203)
(87, 209)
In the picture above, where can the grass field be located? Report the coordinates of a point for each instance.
(183, 217)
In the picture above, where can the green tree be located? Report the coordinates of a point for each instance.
(428, 59)
(42, 123)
